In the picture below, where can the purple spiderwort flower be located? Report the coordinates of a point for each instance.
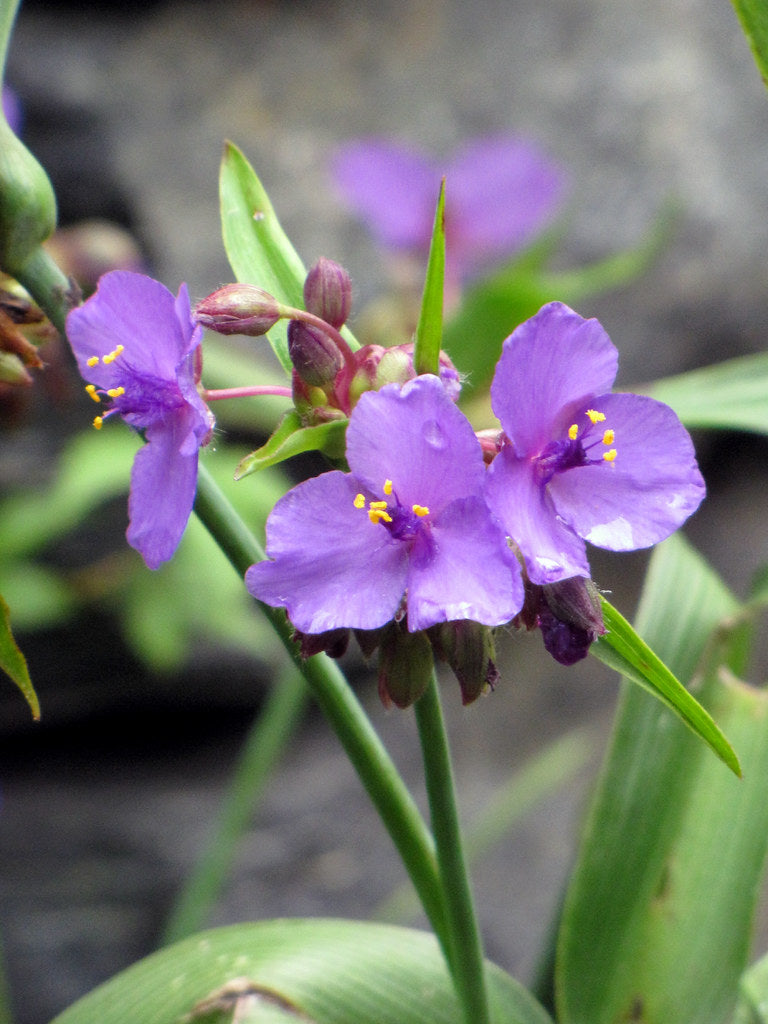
(137, 346)
(578, 462)
(409, 519)
(501, 192)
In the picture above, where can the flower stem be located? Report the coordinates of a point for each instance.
(465, 946)
(360, 741)
(47, 285)
(263, 746)
(257, 391)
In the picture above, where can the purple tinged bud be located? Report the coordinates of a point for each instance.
(328, 292)
(239, 309)
(333, 642)
(570, 618)
(315, 357)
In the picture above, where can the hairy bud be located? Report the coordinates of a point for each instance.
(328, 292)
(239, 309)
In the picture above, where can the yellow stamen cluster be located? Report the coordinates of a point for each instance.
(91, 389)
(378, 510)
(609, 436)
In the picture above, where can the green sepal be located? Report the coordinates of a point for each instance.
(291, 438)
(729, 395)
(322, 971)
(429, 330)
(13, 662)
(622, 649)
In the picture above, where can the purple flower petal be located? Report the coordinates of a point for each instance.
(163, 485)
(141, 315)
(550, 365)
(467, 572)
(647, 492)
(332, 566)
(552, 552)
(392, 188)
(416, 437)
(12, 109)
(500, 192)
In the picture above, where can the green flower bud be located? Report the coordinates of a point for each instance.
(405, 665)
(469, 649)
(12, 370)
(27, 203)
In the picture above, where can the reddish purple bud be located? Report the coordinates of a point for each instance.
(239, 309)
(570, 618)
(315, 356)
(328, 292)
(334, 643)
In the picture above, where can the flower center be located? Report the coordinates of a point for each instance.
(139, 397)
(577, 449)
(403, 523)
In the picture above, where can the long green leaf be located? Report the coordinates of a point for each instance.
(621, 648)
(13, 662)
(661, 898)
(318, 971)
(429, 330)
(258, 249)
(753, 15)
(730, 396)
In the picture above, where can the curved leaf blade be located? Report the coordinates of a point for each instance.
(331, 971)
(621, 648)
(13, 662)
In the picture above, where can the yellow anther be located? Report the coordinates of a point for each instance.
(421, 510)
(611, 455)
(379, 505)
(379, 515)
(387, 486)
(93, 361)
(596, 417)
(359, 501)
(98, 422)
(573, 431)
(110, 357)
(116, 392)
(609, 437)
(91, 389)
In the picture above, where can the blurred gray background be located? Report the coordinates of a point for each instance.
(104, 811)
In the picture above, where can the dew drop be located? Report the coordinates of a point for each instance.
(434, 435)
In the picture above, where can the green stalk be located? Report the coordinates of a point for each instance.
(466, 951)
(265, 743)
(47, 285)
(343, 711)
(8, 10)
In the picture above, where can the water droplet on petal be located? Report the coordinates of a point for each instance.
(434, 435)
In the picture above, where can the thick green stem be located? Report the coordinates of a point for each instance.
(264, 745)
(47, 285)
(330, 689)
(465, 945)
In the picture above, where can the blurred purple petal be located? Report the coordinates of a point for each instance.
(12, 109)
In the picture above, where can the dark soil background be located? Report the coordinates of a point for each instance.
(107, 802)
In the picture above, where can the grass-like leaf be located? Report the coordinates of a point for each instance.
(621, 648)
(13, 662)
(429, 331)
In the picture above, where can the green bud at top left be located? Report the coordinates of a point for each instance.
(27, 203)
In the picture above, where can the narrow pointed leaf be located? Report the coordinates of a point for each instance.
(621, 648)
(429, 331)
(258, 249)
(290, 439)
(13, 662)
(753, 15)
(323, 971)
